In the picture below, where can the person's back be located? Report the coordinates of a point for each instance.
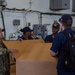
(60, 39)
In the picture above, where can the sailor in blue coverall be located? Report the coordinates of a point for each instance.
(58, 42)
(27, 34)
(55, 29)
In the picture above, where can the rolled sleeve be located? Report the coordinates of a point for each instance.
(55, 44)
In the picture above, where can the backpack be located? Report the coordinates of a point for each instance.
(68, 63)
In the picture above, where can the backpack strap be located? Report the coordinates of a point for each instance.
(73, 33)
(66, 34)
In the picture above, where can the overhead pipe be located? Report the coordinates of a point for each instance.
(55, 14)
(3, 24)
(42, 13)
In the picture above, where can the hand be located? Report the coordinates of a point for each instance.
(15, 51)
(20, 39)
(12, 59)
(1, 35)
(33, 35)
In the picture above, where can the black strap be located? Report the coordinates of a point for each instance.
(68, 35)
(73, 33)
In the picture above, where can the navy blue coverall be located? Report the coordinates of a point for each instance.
(58, 41)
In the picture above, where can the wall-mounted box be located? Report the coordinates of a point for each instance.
(59, 4)
(40, 30)
(2, 0)
(16, 22)
(73, 5)
(37, 29)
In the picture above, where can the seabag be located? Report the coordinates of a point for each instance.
(69, 56)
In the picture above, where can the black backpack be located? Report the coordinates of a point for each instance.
(69, 56)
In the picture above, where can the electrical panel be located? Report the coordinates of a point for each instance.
(59, 4)
(16, 22)
(73, 5)
(40, 30)
(37, 29)
(2, 0)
